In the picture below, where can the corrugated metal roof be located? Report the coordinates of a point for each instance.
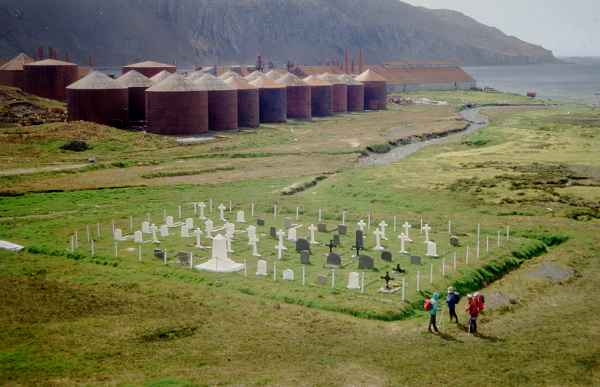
(17, 62)
(275, 74)
(348, 80)
(267, 83)
(239, 83)
(422, 75)
(291, 80)
(96, 81)
(370, 76)
(175, 82)
(254, 75)
(134, 79)
(50, 62)
(211, 83)
(331, 78)
(160, 76)
(149, 64)
(313, 80)
(229, 74)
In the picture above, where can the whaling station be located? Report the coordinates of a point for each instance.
(155, 96)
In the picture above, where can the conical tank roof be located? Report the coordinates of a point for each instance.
(148, 64)
(313, 80)
(17, 62)
(211, 83)
(275, 74)
(254, 75)
(291, 80)
(96, 81)
(133, 78)
(267, 83)
(239, 83)
(331, 78)
(160, 76)
(174, 83)
(229, 74)
(370, 76)
(348, 80)
(50, 62)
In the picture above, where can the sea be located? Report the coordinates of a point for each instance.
(579, 83)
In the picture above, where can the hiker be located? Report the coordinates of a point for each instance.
(431, 305)
(480, 300)
(473, 309)
(452, 300)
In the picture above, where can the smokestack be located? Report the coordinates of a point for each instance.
(361, 59)
(346, 58)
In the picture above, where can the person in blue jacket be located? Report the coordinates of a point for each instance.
(452, 300)
(433, 312)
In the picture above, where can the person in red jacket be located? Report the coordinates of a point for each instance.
(473, 309)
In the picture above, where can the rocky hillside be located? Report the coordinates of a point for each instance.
(223, 31)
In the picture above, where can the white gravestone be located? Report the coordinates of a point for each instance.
(198, 234)
(169, 221)
(293, 233)
(229, 230)
(240, 217)
(426, 229)
(378, 233)
(164, 231)
(431, 249)
(361, 225)
(353, 280)
(185, 232)
(403, 239)
(261, 267)
(138, 237)
(312, 229)
(254, 243)
(407, 227)
(146, 228)
(220, 262)
(251, 230)
(154, 237)
(221, 209)
(208, 228)
(202, 206)
(189, 222)
(288, 275)
(118, 234)
(382, 226)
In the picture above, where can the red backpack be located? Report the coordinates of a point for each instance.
(427, 304)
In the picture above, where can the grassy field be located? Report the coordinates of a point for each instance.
(74, 319)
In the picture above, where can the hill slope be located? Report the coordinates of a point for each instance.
(205, 31)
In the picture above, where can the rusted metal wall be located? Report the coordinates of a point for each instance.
(299, 102)
(340, 98)
(356, 98)
(13, 78)
(248, 108)
(108, 107)
(177, 112)
(375, 95)
(50, 81)
(321, 101)
(222, 109)
(273, 104)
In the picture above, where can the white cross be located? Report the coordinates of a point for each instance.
(221, 209)
(382, 226)
(312, 228)
(154, 238)
(274, 210)
(198, 233)
(407, 227)
(403, 239)
(427, 228)
(280, 235)
(251, 230)
(254, 243)
(343, 218)
(361, 225)
(280, 251)
(378, 233)
(208, 228)
(320, 215)
(202, 206)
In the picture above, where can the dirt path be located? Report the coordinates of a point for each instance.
(51, 168)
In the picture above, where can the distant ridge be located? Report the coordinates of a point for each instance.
(117, 32)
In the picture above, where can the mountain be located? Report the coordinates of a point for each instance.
(234, 31)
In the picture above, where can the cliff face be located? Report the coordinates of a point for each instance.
(209, 31)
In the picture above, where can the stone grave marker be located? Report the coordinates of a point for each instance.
(322, 227)
(305, 257)
(336, 240)
(273, 232)
(431, 249)
(288, 275)
(138, 237)
(353, 280)
(240, 217)
(260, 222)
(334, 259)
(164, 231)
(322, 279)
(189, 222)
(342, 229)
(302, 245)
(158, 253)
(287, 223)
(183, 258)
(386, 256)
(365, 263)
(261, 267)
(415, 260)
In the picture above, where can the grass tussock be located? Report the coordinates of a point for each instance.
(157, 175)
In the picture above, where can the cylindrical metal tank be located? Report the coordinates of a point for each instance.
(222, 102)
(149, 68)
(49, 78)
(98, 98)
(176, 106)
(375, 90)
(248, 102)
(136, 85)
(339, 92)
(320, 96)
(356, 93)
(11, 73)
(273, 100)
(298, 97)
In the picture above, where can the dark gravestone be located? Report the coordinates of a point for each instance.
(386, 256)
(365, 262)
(454, 241)
(359, 241)
(273, 232)
(336, 240)
(158, 253)
(305, 257)
(415, 259)
(399, 269)
(302, 245)
(334, 259)
(183, 258)
(260, 222)
(322, 227)
(342, 229)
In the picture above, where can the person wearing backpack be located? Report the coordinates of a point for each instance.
(432, 306)
(473, 309)
(452, 300)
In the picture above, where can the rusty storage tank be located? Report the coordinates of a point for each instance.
(11, 73)
(248, 102)
(273, 99)
(356, 93)
(98, 98)
(160, 76)
(320, 96)
(298, 97)
(375, 90)
(136, 85)
(339, 92)
(254, 76)
(177, 106)
(149, 68)
(49, 78)
(229, 74)
(222, 102)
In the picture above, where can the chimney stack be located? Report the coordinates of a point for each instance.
(361, 59)
(346, 58)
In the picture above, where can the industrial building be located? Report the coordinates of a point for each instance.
(298, 97)
(49, 78)
(136, 85)
(273, 99)
(248, 102)
(413, 76)
(12, 73)
(149, 68)
(321, 96)
(222, 102)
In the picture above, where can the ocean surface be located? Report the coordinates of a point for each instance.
(564, 82)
